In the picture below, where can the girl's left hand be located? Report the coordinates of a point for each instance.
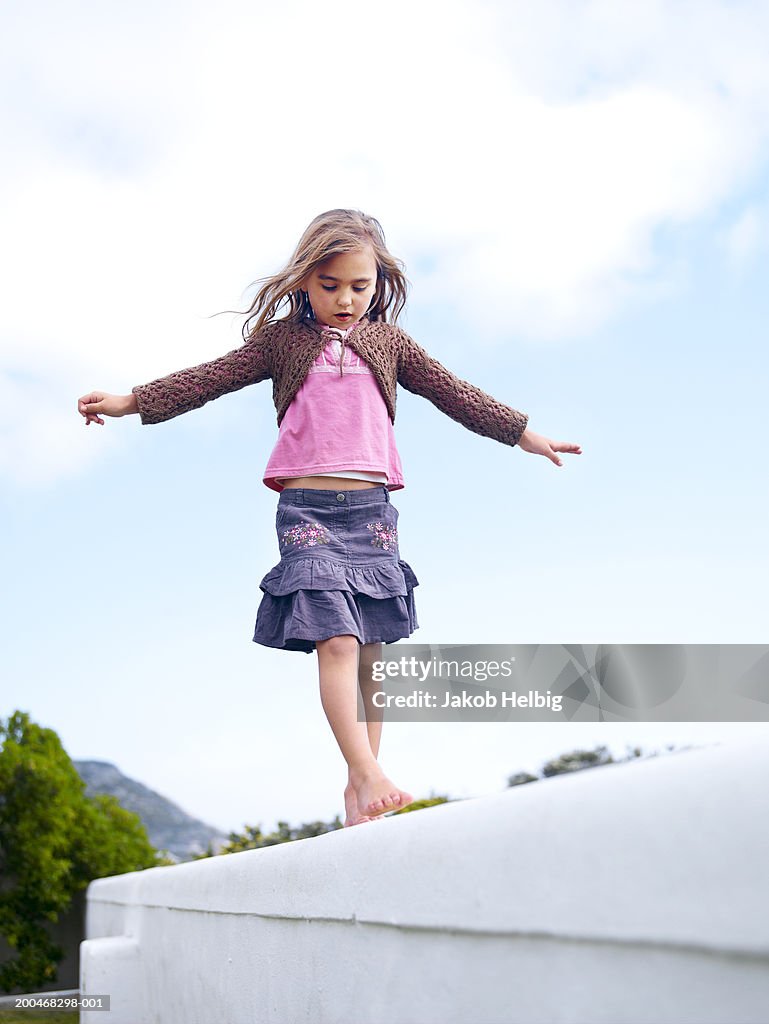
(539, 445)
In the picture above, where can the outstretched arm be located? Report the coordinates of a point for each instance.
(419, 373)
(189, 389)
(180, 392)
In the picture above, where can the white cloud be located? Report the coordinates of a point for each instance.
(524, 155)
(748, 236)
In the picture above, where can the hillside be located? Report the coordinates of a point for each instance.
(168, 826)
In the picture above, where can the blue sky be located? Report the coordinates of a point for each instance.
(584, 217)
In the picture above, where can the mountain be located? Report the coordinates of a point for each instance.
(168, 826)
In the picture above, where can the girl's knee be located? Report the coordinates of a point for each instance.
(337, 646)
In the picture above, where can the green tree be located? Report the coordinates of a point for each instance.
(53, 841)
(252, 837)
(578, 760)
(521, 778)
(418, 805)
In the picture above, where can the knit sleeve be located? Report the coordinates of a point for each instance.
(419, 373)
(180, 392)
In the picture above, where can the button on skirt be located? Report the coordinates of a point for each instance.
(340, 571)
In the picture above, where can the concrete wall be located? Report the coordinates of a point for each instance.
(623, 894)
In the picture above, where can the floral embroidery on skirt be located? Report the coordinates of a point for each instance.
(384, 536)
(340, 572)
(306, 535)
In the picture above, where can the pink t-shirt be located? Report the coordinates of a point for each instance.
(336, 423)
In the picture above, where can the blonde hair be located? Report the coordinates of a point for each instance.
(328, 235)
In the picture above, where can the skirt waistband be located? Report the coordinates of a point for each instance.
(311, 496)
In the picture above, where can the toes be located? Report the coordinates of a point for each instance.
(364, 819)
(379, 806)
(387, 801)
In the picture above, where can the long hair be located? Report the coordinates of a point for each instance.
(328, 235)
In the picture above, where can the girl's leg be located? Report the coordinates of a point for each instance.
(338, 673)
(369, 653)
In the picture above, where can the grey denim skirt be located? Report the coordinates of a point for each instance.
(339, 573)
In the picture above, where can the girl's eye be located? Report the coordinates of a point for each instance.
(332, 287)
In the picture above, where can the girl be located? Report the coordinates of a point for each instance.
(335, 357)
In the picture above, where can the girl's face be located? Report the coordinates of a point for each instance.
(341, 288)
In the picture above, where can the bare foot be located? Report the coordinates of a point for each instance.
(353, 815)
(376, 794)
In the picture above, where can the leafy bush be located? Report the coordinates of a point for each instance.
(53, 841)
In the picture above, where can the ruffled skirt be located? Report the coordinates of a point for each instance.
(340, 571)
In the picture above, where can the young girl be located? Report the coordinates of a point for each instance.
(335, 357)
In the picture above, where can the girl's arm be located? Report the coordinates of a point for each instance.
(419, 373)
(180, 392)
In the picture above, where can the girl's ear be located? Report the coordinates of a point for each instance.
(304, 283)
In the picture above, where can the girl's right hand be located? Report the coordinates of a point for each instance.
(96, 402)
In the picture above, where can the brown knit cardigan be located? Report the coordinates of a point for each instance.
(285, 351)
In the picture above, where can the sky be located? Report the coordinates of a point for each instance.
(579, 193)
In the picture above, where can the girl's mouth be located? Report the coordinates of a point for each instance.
(343, 316)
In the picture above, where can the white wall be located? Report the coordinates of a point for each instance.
(624, 894)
